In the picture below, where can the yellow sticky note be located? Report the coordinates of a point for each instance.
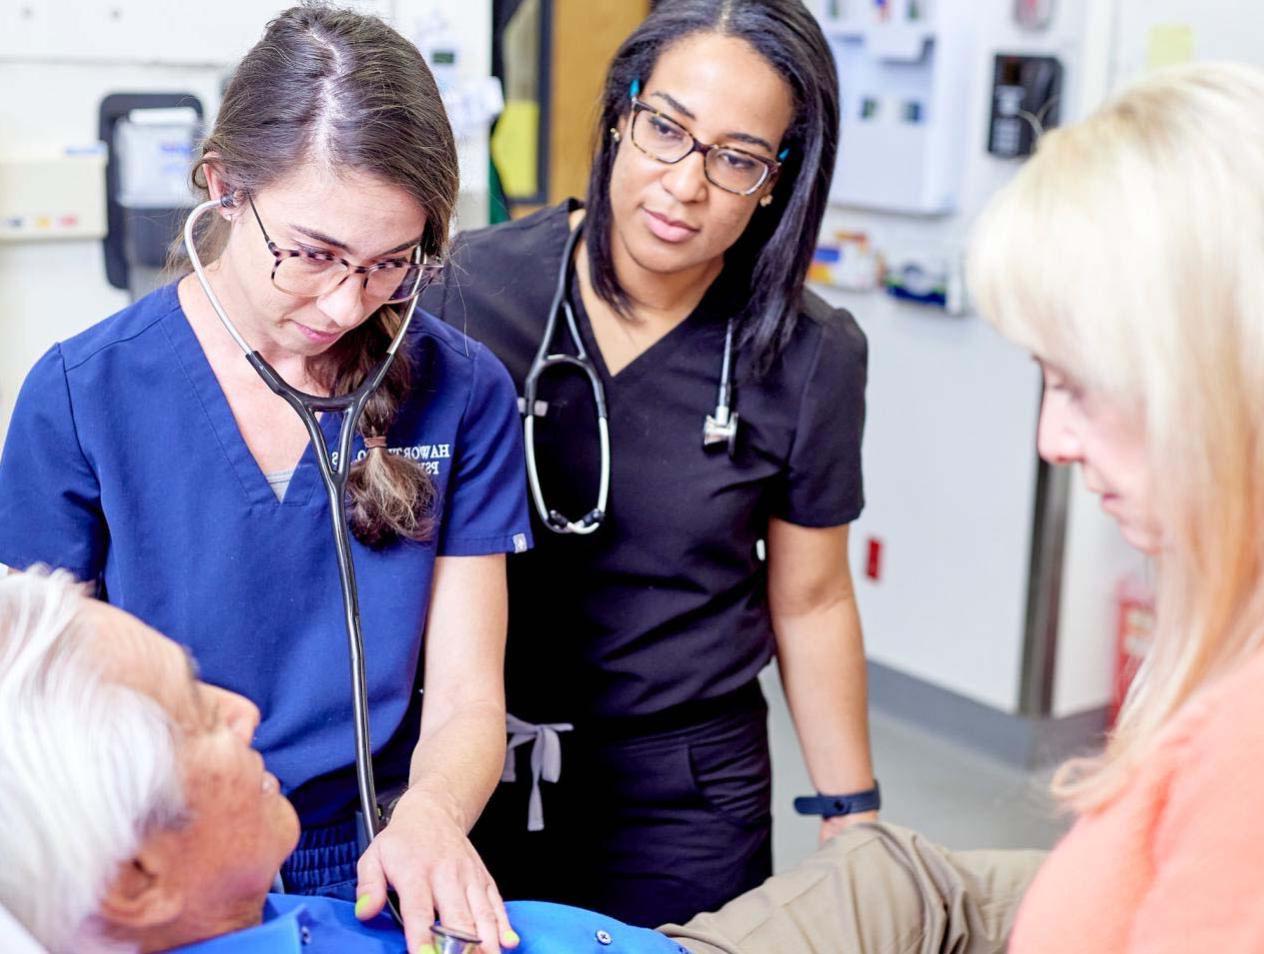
(513, 146)
(1169, 44)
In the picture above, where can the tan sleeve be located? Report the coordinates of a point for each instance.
(875, 889)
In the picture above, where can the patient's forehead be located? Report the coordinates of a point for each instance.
(138, 656)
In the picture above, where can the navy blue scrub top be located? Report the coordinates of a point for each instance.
(123, 464)
(667, 602)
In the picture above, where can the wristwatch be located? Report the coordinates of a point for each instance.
(831, 806)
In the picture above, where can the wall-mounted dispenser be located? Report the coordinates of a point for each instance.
(1026, 91)
(52, 192)
(904, 71)
(151, 138)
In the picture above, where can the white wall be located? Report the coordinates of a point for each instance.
(949, 483)
(950, 443)
(950, 459)
(59, 59)
(52, 289)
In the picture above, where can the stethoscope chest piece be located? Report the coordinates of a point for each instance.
(720, 430)
(451, 941)
(720, 427)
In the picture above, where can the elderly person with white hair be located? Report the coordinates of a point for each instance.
(137, 817)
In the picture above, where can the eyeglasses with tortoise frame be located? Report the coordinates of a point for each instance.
(663, 138)
(311, 273)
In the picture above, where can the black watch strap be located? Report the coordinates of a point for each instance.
(830, 806)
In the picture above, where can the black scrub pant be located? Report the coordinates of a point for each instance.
(652, 820)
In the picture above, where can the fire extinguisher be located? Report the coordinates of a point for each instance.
(1134, 631)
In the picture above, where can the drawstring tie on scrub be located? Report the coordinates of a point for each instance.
(546, 761)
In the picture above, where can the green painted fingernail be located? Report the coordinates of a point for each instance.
(427, 949)
(362, 905)
(509, 939)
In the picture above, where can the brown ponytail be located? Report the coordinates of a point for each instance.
(343, 88)
(389, 496)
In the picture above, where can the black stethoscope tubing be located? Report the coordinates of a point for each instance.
(531, 409)
(720, 427)
(333, 473)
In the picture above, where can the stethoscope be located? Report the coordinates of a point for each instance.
(719, 429)
(334, 470)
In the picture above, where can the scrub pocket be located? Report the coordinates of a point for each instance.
(732, 774)
(648, 826)
(681, 820)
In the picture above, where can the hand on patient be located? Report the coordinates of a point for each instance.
(425, 856)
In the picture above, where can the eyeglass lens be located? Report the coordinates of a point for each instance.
(668, 141)
(312, 276)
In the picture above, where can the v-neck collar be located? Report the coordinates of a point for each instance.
(214, 403)
(661, 351)
(719, 301)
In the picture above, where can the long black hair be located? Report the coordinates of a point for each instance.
(774, 252)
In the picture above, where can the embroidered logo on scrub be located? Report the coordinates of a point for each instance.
(429, 456)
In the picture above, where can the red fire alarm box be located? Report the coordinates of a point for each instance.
(1134, 631)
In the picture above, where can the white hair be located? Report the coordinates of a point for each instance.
(87, 766)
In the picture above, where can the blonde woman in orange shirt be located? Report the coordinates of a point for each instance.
(1128, 257)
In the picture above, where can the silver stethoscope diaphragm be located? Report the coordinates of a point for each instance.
(720, 428)
(451, 941)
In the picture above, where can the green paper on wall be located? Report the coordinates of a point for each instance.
(1169, 44)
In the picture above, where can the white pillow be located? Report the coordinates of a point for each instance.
(13, 937)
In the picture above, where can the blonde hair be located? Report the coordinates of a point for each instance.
(1130, 253)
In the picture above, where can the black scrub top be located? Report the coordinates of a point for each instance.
(666, 602)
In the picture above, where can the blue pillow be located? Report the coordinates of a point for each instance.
(547, 928)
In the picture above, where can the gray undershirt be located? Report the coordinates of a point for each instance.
(280, 482)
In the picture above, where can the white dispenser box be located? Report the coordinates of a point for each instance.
(53, 192)
(904, 81)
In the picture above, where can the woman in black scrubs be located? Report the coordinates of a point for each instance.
(634, 650)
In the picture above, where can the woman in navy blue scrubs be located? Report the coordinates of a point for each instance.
(646, 637)
(146, 456)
